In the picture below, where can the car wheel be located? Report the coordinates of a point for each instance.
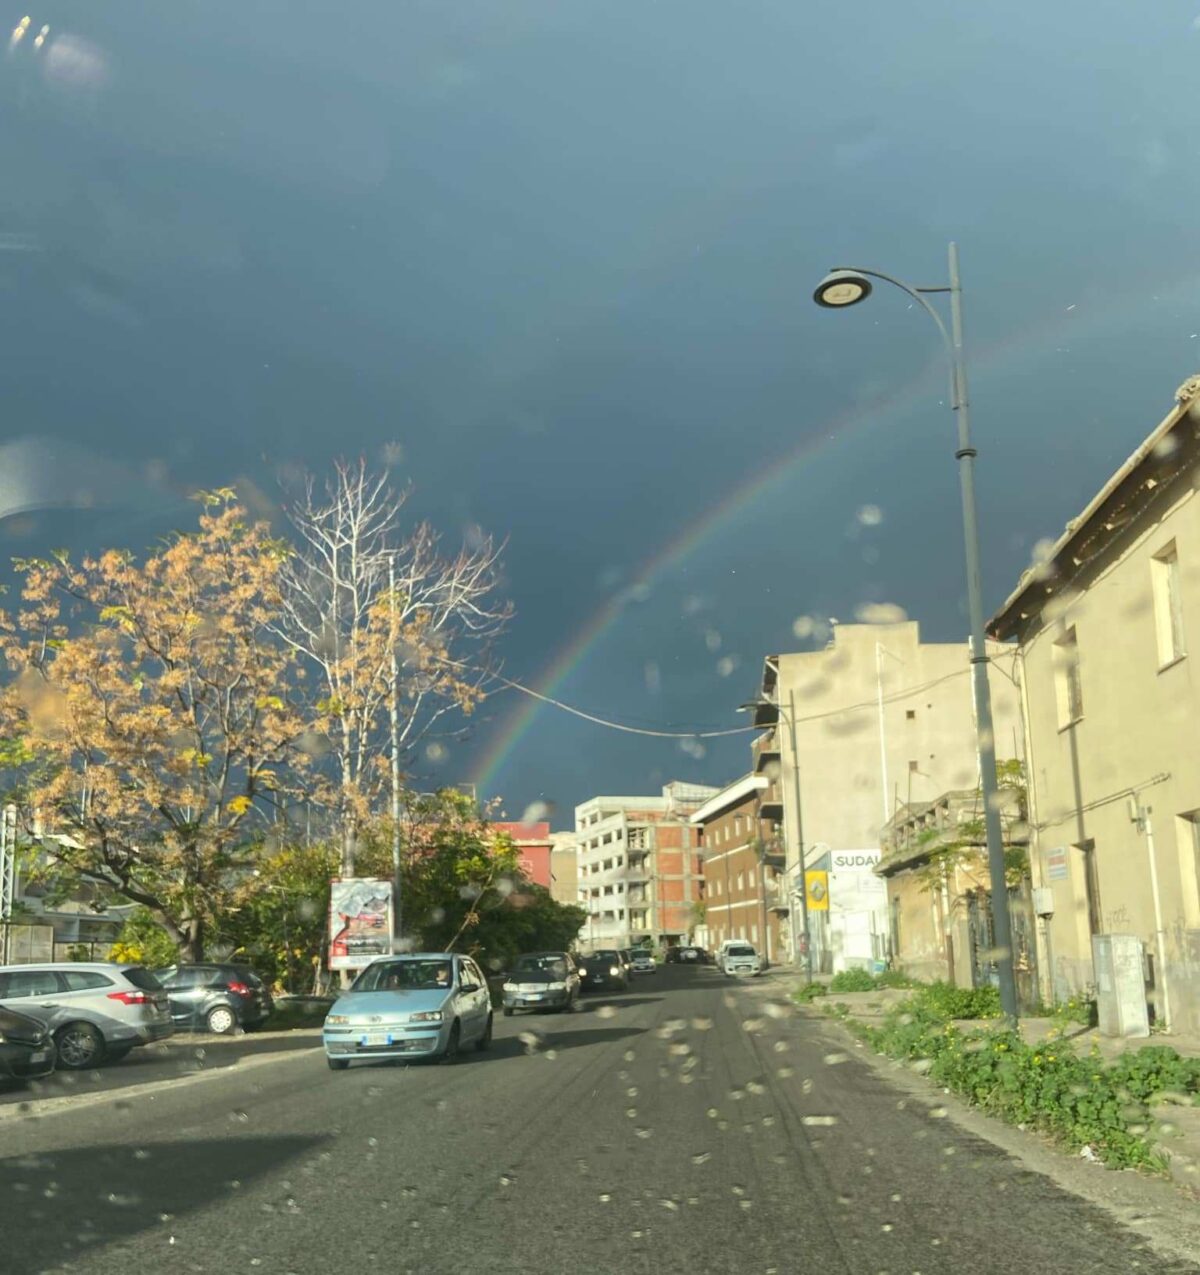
(451, 1051)
(485, 1041)
(79, 1045)
(221, 1020)
(338, 1064)
(507, 1012)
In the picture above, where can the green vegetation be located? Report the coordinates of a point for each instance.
(1078, 1100)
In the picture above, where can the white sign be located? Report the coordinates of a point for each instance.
(1057, 868)
(853, 885)
(854, 860)
(360, 922)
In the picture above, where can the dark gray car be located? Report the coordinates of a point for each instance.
(215, 997)
(96, 1011)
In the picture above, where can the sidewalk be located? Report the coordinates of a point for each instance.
(1177, 1119)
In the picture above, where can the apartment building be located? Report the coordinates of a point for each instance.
(534, 848)
(640, 868)
(564, 868)
(881, 719)
(742, 856)
(1104, 624)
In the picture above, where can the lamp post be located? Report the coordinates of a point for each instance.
(790, 720)
(839, 289)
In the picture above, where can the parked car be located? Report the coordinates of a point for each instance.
(96, 1011)
(689, 955)
(26, 1049)
(215, 997)
(424, 1005)
(643, 961)
(741, 958)
(725, 946)
(603, 971)
(541, 980)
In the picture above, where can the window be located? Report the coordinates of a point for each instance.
(1190, 838)
(1068, 687)
(750, 879)
(914, 767)
(1168, 605)
(910, 715)
(84, 980)
(26, 983)
(737, 825)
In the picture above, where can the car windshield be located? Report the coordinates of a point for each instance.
(141, 977)
(542, 963)
(404, 976)
(741, 949)
(610, 956)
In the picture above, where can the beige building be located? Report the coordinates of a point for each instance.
(564, 868)
(882, 720)
(1104, 623)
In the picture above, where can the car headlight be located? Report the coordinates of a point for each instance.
(337, 1020)
(558, 987)
(614, 970)
(510, 987)
(429, 1016)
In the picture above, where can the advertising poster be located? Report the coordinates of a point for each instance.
(817, 886)
(360, 922)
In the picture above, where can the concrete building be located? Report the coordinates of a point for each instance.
(564, 868)
(1105, 623)
(881, 719)
(640, 867)
(742, 857)
(939, 890)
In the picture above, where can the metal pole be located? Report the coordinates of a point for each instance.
(882, 734)
(791, 720)
(965, 454)
(397, 884)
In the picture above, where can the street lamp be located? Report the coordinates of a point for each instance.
(790, 719)
(839, 289)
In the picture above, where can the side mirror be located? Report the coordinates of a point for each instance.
(469, 987)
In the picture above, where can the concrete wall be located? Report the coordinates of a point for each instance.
(1139, 729)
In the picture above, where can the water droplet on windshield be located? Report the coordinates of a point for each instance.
(832, 1060)
(702, 1157)
(702, 1024)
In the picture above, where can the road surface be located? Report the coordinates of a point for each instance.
(684, 1127)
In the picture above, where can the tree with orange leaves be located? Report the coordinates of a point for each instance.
(151, 705)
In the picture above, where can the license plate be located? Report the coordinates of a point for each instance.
(376, 1038)
(42, 1055)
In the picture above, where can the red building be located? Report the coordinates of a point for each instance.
(533, 845)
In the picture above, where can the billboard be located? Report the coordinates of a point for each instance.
(816, 885)
(360, 921)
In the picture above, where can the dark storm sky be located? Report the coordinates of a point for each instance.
(562, 253)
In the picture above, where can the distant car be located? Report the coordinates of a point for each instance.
(541, 980)
(741, 958)
(643, 962)
(627, 960)
(96, 1011)
(215, 997)
(603, 971)
(426, 1005)
(26, 1049)
(689, 956)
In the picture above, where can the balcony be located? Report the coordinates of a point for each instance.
(771, 802)
(779, 896)
(765, 752)
(773, 853)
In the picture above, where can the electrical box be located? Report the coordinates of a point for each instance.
(1043, 900)
(1119, 960)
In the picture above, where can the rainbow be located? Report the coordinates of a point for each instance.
(1028, 342)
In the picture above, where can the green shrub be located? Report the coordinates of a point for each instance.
(808, 992)
(852, 981)
(944, 1001)
(895, 978)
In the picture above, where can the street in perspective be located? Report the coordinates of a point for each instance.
(595, 625)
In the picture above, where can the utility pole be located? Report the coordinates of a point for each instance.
(8, 877)
(397, 925)
(791, 721)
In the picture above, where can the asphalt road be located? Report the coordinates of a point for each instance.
(684, 1127)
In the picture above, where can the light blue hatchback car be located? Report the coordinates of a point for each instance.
(424, 1005)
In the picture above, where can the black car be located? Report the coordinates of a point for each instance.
(604, 969)
(216, 997)
(26, 1048)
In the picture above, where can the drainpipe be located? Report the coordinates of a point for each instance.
(1044, 950)
(1141, 817)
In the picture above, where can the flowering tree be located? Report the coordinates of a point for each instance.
(150, 705)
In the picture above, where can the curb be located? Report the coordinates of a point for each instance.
(40, 1108)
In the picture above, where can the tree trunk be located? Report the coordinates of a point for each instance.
(191, 949)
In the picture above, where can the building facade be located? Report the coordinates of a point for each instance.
(534, 849)
(564, 868)
(742, 858)
(640, 867)
(1104, 625)
(939, 890)
(881, 719)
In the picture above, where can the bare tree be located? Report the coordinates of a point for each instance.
(395, 633)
